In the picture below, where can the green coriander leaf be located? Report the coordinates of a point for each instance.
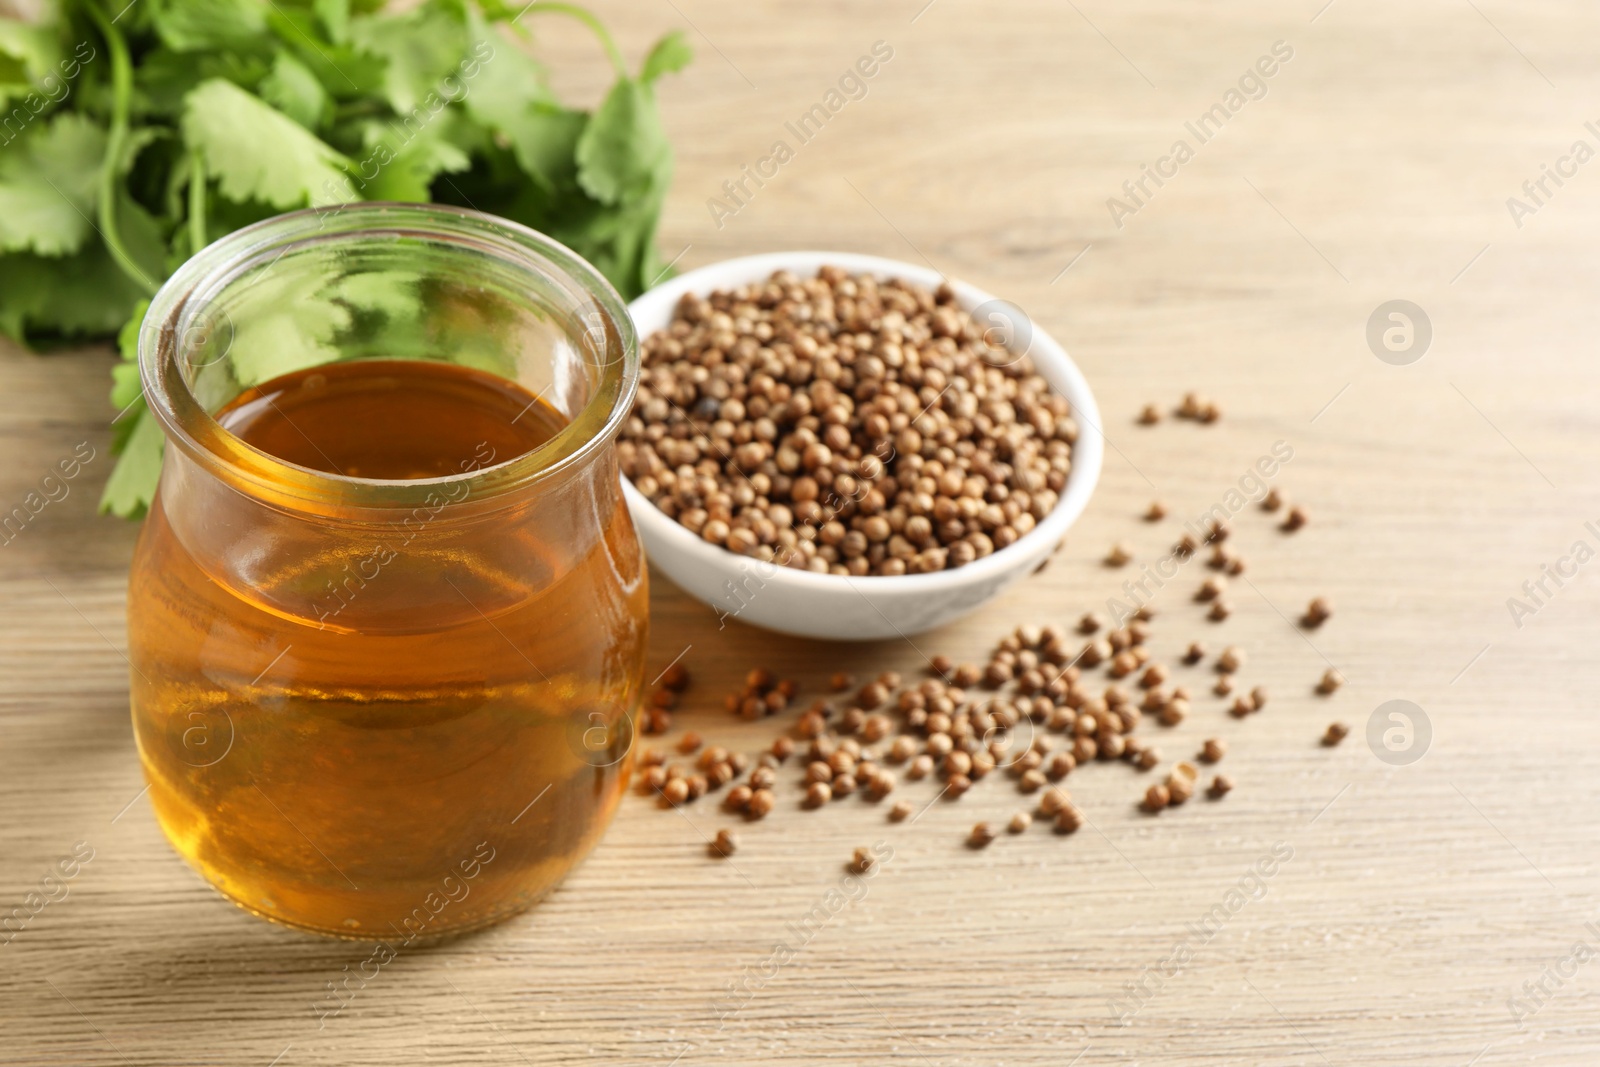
(29, 54)
(84, 294)
(421, 48)
(283, 322)
(47, 187)
(335, 16)
(623, 151)
(207, 25)
(258, 153)
(294, 90)
(131, 489)
(402, 162)
(671, 54)
(346, 73)
(164, 78)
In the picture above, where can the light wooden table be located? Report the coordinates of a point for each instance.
(1418, 899)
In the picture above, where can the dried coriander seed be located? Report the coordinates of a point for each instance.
(725, 844)
(1231, 660)
(861, 861)
(901, 811)
(818, 794)
(1317, 613)
(1156, 798)
(675, 678)
(1195, 653)
(982, 834)
(1220, 609)
(1019, 823)
(1295, 519)
(1149, 415)
(1213, 749)
(1068, 819)
(1331, 681)
(1221, 786)
(762, 801)
(1336, 732)
(1155, 512)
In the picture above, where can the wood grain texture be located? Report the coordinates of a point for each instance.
(1419, 898)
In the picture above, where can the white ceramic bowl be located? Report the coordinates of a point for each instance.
(833, 606)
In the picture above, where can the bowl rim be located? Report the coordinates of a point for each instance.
(653, 309)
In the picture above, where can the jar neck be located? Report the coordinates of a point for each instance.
(483, 290)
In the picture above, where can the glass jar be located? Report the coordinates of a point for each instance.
(387, 708)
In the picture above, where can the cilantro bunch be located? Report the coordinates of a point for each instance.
(133, 134)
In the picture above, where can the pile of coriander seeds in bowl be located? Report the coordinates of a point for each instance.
(871, 439)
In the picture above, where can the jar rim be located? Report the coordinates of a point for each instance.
(187, 424)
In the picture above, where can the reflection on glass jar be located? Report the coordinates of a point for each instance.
(387, 613)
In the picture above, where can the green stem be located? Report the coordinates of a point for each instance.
(121, 95)
(197, 204)
(596, 27)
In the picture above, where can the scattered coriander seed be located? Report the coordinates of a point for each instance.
(1220, 609)
(1156, 798)
(1272, 501)
(1317, 613)
(840, 682)
(762, 801)
(1258, 697)
(782, 749)
(1336, 732)
(725, 844)
(956, 785)
(843, 785)
(1211, 588)
(675, 678)
(738, 798)
(1175, 712)
(1213, 749)
(1052, 801)
(1295, 519)
(1179, 788)
(901, 811)
(982, 834)
(1331, 681)
(689, 742)
(818, 794)
(1119, 555)
(1061, 765)
(1031, 781)
(1149, 415)
(861, 861)
(1155, 512)
(1232, 659)
(1090, 623)
(1019, 822)
(1153, 675)
(1242, 707)
(1221, 785)
(1224, 686)
(675, 791)
(920, 767)
(1147, 759)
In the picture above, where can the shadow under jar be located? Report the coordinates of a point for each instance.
(387, 613)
